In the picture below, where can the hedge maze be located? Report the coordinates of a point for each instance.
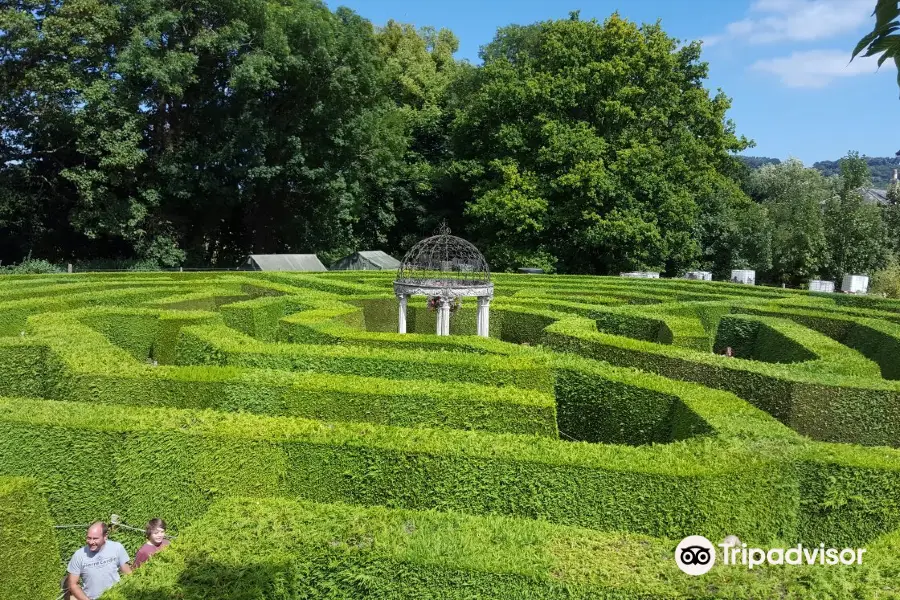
(300, 448)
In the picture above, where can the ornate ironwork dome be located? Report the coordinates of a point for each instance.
(445, 268)
(444, 260)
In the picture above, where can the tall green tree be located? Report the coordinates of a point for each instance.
(734, 231)
(419, 72)
(854, 230)
(892, 218)
(793, 197)
(583, 145)
(155, 128)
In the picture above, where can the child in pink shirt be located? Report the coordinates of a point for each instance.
(156, 541)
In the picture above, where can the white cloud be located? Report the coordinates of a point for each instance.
(773, 21)
(815, 68)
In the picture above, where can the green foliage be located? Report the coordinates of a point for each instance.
(854, 231)
(87, 368)
(760, 339)
(462, 426)
(216, 345)
(734, 232)
(568, 139)
(305, 550)
(205, 455)
(31, 267)
(883, 38)
(792, 197)
(842, 405)
(610, 412)
(755, 162)
(27, 546)
(175, 135)
(881, 169)
(886, 282)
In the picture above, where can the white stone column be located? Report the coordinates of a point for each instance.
(440, 317)
(443, 326)
(484, 308)
(480, 319)
(401, 316)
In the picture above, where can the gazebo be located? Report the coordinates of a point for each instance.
(447, 269)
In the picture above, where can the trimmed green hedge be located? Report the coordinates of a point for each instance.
(148, 462)
(13, 314)
(849, 493)
(759, 339)
(596, 409)
(283, 550)
(822, 405)
(29, 554)
(259, 318)
(217, 345)
(877, 340)
(88, 368)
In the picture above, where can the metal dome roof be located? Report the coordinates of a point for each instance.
(444, 261)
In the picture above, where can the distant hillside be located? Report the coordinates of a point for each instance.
(881, 167)
(755, 162)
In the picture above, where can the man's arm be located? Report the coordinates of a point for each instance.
(75, 589)
(124, 561)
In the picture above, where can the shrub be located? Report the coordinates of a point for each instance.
(148, 461)
(307, 550)
(825, 406)
(28, 549)
(31, 266)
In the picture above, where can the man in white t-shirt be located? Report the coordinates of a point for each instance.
(97, 564)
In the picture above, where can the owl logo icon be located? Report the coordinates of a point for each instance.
(695, 555)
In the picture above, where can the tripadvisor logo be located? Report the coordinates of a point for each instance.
(696, 555)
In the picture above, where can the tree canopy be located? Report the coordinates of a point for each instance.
(585, 145)
(195, 133)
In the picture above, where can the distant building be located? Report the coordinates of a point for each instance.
(366, 260)
(876, 196)
(282, 262)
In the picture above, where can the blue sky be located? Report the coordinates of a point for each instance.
(784, 63)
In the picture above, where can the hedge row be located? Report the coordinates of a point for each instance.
(323, 284)
(849, 493)
(336, 323)
(877, 340)
(86, 367)
(218, 345)
(29, 554)
(144, 333)
(824, 406)
(593, 408)
(259, 317)
(775, 340)
(13, 313)
(286, 550)
(147, 462)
